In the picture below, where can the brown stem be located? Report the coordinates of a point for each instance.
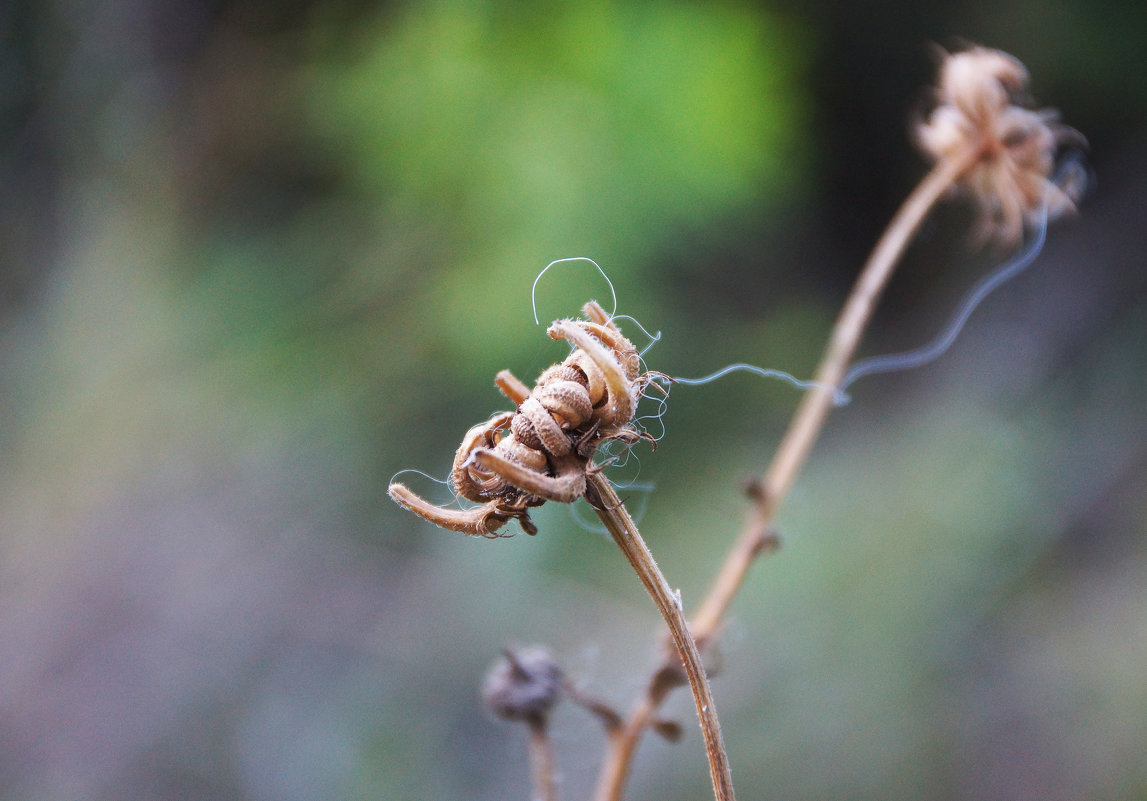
(622, 745)
(613, 514)
(542, 762)
(806, 424)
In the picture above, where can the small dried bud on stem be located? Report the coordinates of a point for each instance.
(523, 685)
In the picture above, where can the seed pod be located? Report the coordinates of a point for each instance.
(523, 685)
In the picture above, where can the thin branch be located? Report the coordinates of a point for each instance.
(622, 744)
(806, 424)
(621, 527)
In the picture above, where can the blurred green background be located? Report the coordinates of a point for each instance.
(256, 257)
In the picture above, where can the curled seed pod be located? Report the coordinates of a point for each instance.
(520, 453)
(591, 376)
(523, 684)
(567, 401)
(546, 429)
(561, 372)
(543, 450)
(472, 484)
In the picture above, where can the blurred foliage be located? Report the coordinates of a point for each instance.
(256, 257)
(503, 136)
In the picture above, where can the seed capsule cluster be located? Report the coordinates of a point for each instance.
(544, 449)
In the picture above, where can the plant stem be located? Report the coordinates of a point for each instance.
(806, 424)
(621, 527)
(542, 762)
(622, 744)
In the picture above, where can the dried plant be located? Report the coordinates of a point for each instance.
(524, 686)
(544, 450)
(982, 141)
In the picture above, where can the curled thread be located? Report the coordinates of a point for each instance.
(1071, 180)
(908, 360)
(763, 372)
(534, 287)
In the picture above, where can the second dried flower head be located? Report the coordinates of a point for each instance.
(979, 115)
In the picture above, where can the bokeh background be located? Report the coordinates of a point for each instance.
(258, 256)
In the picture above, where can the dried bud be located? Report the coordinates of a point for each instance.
(523, 685)
(670, 730)
(978, 112)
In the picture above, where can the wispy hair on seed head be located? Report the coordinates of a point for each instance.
(443, 481)
(1072, 177)
(653, 338)
(534, 288)
(763, 372)
(639, 422)
(420, 473)
(645, 489)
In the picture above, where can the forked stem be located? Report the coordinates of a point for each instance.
(613, 514)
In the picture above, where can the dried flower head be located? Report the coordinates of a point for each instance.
(523, 685)
(544, 450)
(978, 114)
